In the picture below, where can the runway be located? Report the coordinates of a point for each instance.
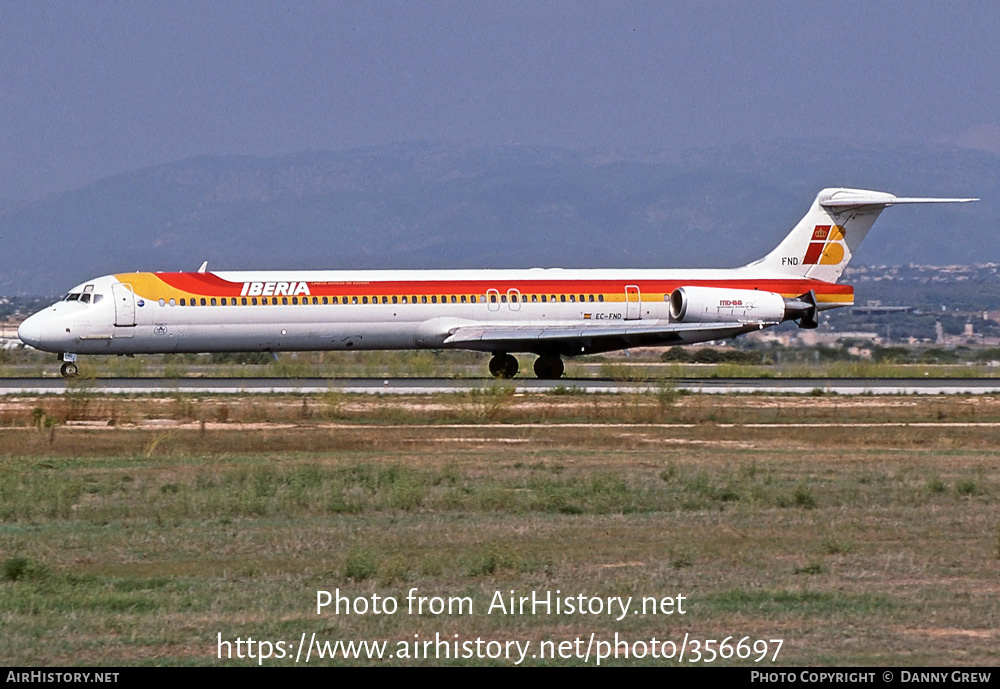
(425, 386)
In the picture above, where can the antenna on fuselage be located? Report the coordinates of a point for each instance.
(204, 267)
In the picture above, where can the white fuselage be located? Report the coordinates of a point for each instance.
(340, 310)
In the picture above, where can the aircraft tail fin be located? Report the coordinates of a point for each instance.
(823, 242)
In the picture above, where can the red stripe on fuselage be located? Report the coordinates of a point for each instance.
(209, 285)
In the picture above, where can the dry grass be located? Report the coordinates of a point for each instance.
(862, 531)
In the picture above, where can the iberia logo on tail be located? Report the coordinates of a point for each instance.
(826, 246)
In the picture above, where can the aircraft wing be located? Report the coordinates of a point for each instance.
(589, 338)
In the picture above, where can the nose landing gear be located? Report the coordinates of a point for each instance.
(68, 368)
(503, 365)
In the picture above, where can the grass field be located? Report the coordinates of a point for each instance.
(858, 530)
(638, 365)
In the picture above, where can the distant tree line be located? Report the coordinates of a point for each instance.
(710, 355)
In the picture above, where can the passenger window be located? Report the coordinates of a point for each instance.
(423, 300)
(493, 299)
(182, 302)
(482, 298)
(544, 299)
(253, 301)
(553, 298)
(591, 298)
(326, 300)
(534, 298)
(454, 299)
(600, 297)
(213, 301)
(562, 297)
(364, 300)
(172, 302)
(434, 300)
(464, 301)
(354, 300)
(243, 301)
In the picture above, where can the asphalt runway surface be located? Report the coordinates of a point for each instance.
(420, 386)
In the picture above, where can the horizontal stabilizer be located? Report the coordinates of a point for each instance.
(855, 198)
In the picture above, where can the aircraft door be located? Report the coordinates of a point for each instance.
(633, 303)
(124, 304)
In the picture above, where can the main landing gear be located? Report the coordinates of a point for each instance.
(549, 367)
(503, 365)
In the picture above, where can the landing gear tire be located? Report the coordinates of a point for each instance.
(503, 366)
(549, 367)
(69, 370)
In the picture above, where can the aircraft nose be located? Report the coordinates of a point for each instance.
(30, 331)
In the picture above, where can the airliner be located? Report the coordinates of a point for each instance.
(551, 313)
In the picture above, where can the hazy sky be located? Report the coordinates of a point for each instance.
(88, 89)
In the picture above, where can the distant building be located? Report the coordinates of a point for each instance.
(876, 308)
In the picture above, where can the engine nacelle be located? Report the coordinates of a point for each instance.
(717, 305)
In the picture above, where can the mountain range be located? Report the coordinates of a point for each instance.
(433, 205)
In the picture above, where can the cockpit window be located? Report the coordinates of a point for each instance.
(98, 297)
(85, 298)
(73, 296)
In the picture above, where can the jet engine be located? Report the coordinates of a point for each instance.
(718, 305)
